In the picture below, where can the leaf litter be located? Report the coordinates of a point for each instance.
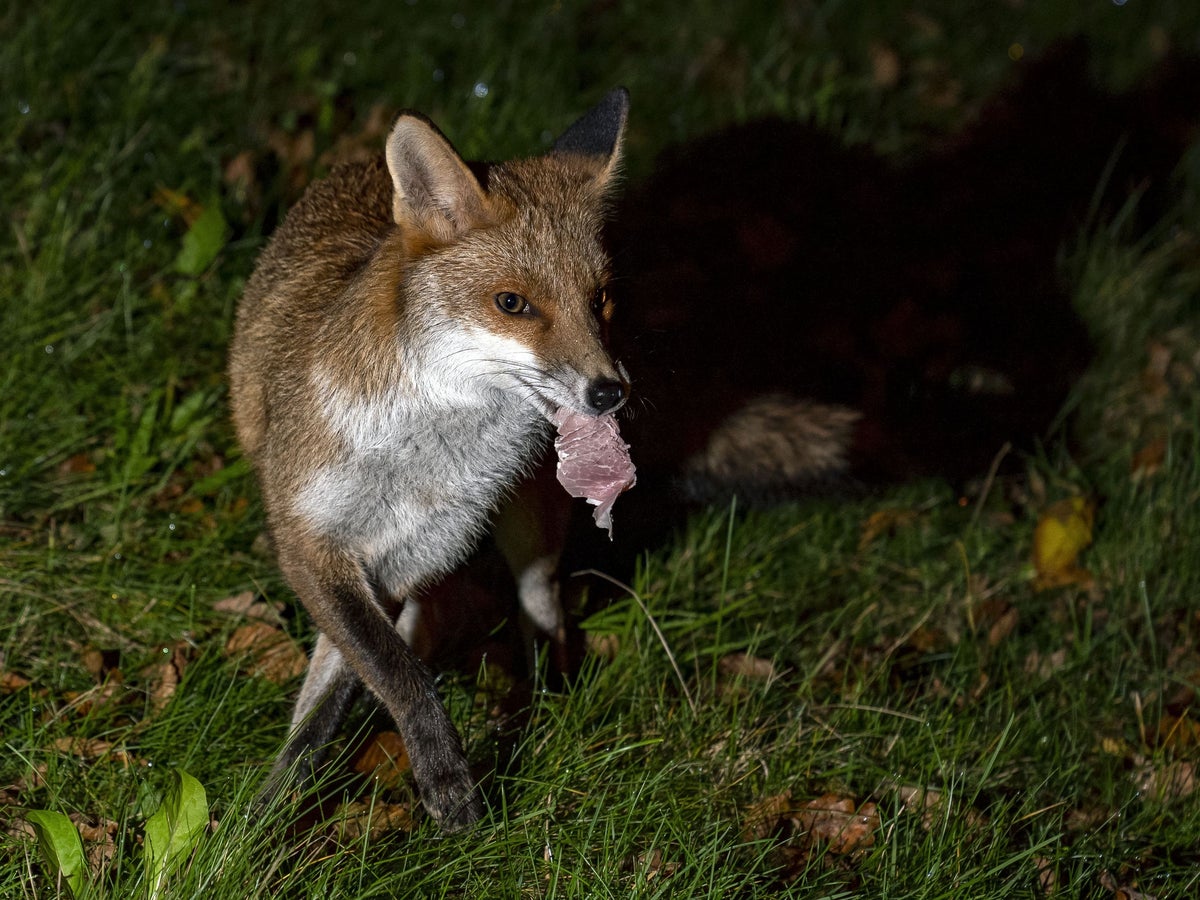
(833, 830)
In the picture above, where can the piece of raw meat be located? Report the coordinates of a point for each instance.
(593, 461)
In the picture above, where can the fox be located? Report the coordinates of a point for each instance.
(407, 335)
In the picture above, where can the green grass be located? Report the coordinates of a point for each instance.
(125, 514)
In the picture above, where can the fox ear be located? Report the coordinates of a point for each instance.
(598, 133)
(434, 190)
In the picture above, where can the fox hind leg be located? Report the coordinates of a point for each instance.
(326, 697)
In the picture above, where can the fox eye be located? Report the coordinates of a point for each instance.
(599, 300)
(513, 304)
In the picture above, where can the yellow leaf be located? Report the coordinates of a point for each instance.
(1061, 534)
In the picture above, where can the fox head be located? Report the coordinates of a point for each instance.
(505, 280)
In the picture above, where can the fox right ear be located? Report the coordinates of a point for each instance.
(598, 133)
(434, 190)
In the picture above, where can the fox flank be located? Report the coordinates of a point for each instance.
(406, 337)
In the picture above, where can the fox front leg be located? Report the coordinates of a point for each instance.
(365, 645)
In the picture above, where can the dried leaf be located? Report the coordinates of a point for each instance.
(164, 677)
(246, 604)
(1178, 733)
(651, 864)
(86, 748)
(840, 822)
(94, 698)
(930, 804)
(604, 646)
(997, 616)
(79, 464)
(177, 203)
(374, 819)
(95, 748)
(384, 759)
(1047, 665)
(99, 845)
(1087, 818)
(744, 665)
(241, 181)
(1149, 458)
(1123, 892)
(1165, 782)
(762, 817)
(1003, 626)
(884, 521)
(11, 682)
(273, 655)
(1047, 875)
(885, 65)
(1062, 532)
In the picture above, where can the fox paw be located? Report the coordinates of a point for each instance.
(452, 799)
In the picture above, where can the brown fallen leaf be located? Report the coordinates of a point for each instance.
(100, 663)
(86, 748)
(840, 822)
(1164, 782)
(884, 521)
(605, 646)
(743, 665)
(163, 677)
(1122, 892)
(79, 464)
(1003, 627)
(1047, 875)
(1177, 733)
(83, 702)
(650, 865)
(1061, 534)
(1148, 460)
(762, 817)
(373, 819)
(997, 616)
(99, 844)
(177, 203)
(16, 827)
(1045, 665)
(246, 604)
(271, 653)
(383, 759)
(885, 65)
(11, 682)
(930, 804)
(95, 748)
(1087, 818)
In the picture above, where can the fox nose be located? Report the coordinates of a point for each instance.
(605, 394)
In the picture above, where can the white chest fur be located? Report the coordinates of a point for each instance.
(417, 478)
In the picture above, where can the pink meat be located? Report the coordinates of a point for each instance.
(593, 461)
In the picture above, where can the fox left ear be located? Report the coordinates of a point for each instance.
(598, 133)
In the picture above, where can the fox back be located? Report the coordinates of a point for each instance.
(400, 347)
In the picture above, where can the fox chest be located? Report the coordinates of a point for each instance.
(411, 496)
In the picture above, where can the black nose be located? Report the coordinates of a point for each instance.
(605, 394)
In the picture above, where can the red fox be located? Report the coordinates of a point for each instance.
(408, 333)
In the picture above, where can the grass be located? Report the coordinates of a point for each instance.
(919, 667)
